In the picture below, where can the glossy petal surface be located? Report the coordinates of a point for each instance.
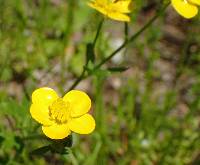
(116, 10)
(40, 113)
(82, 125)
(98, 7)
(44, 96)
(122, 6)
(79, 102)
(184, 8)
(56, 131)
(119, 17)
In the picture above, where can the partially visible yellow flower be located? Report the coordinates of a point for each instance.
(186, 8)
(114, 9)
(60, 116)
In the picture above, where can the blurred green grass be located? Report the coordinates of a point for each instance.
(146, 115)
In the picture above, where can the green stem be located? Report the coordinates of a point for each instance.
(97, 33)
(78, 80)
(74, 161)
(82, 75)
(124, 44)
(132, 38)
(126, 31)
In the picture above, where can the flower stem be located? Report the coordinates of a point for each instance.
(124, 44)
(78, 80)
(126, 31)
(132, 38)
(82, 75)
(97, 33)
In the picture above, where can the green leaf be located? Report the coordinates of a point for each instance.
(61, 146)
(118, 69)
(41, 151)
(68, 141)
(90, 55)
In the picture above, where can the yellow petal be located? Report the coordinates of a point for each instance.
(119, 16)
(101, 2)
(98, 7)
(40, 113)
(44, 96)
(184, 8)
(82, 125)
(56, 131)
(79, 102)
(113, 10)
(122, 6)
(196, 2)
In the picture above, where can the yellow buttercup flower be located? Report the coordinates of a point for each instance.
(114, 9)
(60, 116)
(186, 8)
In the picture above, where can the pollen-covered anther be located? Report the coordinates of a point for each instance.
(59, 111)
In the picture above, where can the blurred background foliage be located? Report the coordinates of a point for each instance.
(148, 114)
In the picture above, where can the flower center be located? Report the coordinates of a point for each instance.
(59, 111)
